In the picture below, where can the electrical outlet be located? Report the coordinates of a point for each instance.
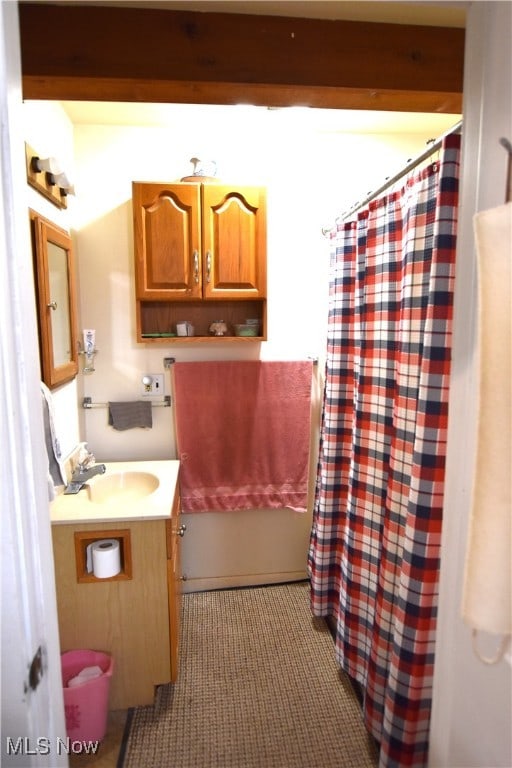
(153, 384)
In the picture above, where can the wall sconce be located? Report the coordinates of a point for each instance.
(64, 184)
(49, 164)
(48, 178)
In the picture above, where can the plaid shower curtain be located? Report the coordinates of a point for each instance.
(375, 542)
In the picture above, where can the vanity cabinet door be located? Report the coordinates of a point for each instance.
(167, 241)
(174, 534)
(174, 585)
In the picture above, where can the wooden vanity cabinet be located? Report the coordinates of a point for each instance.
(200, 254)
(137, 619)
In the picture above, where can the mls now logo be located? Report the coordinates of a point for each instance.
(70, 747)
(24, 745)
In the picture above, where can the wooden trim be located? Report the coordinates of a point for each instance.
(82, 541)
(71, 88)
(40, 181)
(189, 57)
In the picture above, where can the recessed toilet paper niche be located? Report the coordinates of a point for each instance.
(98, 549)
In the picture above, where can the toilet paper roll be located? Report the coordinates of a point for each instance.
(106, 558)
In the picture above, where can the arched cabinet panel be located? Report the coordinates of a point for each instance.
(167, 239)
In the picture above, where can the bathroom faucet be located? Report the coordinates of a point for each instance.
(82, 473)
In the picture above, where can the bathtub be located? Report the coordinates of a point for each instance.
(244, 548)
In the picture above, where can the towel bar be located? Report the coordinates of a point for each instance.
(87, 403)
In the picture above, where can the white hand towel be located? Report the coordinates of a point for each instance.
(487, 597)
(52, 445)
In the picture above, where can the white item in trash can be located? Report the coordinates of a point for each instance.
(86, 674)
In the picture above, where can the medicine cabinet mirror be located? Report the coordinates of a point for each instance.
(54, 270)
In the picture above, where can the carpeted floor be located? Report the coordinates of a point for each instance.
(258, 688)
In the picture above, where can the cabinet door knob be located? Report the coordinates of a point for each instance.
(196, 266)
(181, 530)
(52, 305)
(208, 266)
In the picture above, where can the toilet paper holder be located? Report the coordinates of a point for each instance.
(84, 540)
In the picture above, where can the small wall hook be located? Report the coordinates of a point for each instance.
(508, 189)
(507, 144)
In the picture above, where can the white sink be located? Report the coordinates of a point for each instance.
(122, 487)
(128, 491)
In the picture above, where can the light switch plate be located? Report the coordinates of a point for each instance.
(155, 387)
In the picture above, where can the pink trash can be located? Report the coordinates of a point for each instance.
(86, 705)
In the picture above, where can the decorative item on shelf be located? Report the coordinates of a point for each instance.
(47, 177)
(184, 328)
(203, 170)
(254, 323)
(89, 350)
(218, 328)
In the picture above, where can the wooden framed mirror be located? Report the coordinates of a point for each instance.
(54, 270)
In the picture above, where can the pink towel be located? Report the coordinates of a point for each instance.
(243, 431)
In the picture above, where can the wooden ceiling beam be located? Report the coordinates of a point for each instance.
(113, 53)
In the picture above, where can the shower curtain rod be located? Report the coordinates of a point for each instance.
(433, 146)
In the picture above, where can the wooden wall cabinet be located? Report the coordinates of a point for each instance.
(55, 281)
(136, 619)
(200, 255)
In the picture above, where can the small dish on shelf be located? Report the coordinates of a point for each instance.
(157, 335)
(245, 329)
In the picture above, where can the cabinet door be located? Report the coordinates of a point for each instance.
(56, 301)
(234, 242)
(167, 241)
(174, 586)
(174, 582)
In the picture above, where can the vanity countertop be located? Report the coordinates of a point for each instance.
(122, 504)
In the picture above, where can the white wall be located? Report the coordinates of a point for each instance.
(472, 713)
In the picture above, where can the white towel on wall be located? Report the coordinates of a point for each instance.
(487, 596)
(56, 473)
